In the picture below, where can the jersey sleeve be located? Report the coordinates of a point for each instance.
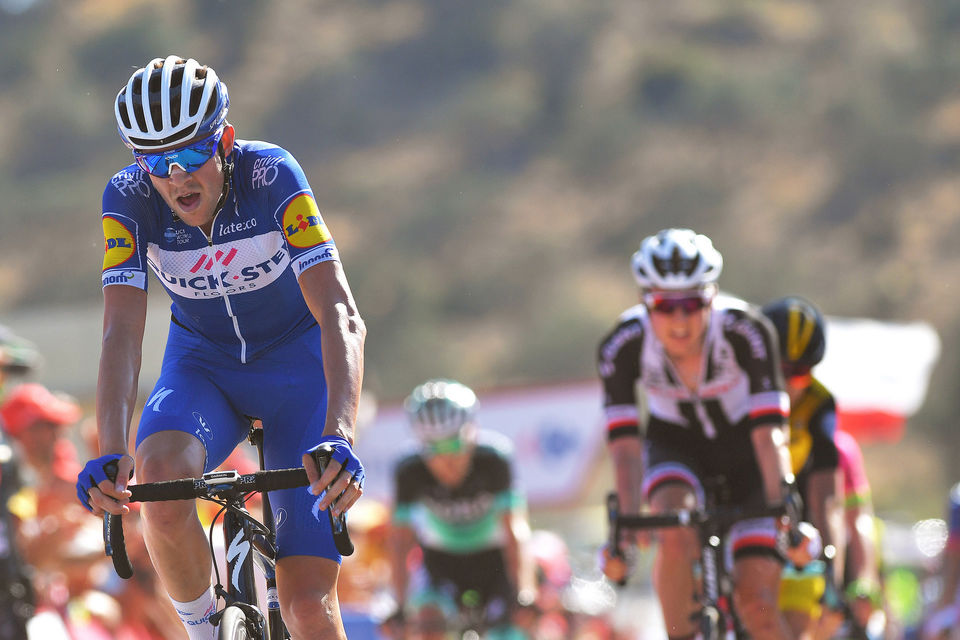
(754, 343)
(125, 200)
(618, 363)
(855, 483)
(823, 427)
(497, 452)
(294, 208)
(406, 485)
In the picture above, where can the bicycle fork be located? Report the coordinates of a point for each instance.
(715, 611)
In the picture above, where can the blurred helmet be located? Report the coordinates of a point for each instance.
(800, 331)
(31, 403)
(676, 259)
(17, 355)
(438, 409)
(168, 102)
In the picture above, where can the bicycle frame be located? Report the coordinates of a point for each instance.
(716, 613)
(241, 531)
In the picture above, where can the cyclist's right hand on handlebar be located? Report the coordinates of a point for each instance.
(102, 484)
(615, 566)
(343, 478)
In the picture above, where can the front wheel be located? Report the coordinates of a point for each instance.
(233, 625)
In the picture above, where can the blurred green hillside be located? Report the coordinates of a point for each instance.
(488, 167)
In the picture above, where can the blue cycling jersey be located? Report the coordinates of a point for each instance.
(238, 288)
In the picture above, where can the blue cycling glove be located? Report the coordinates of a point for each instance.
(343, 453)
(95, 472)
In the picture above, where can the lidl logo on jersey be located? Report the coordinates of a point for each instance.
(118, 243)
(302, 224)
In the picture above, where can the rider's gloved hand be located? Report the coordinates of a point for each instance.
(102, 469)
(348, 475)
(807, 547)
(616, 566)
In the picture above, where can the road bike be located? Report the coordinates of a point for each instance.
(241, 617)
(715, 613)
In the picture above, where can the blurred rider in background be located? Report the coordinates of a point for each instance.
(709, 369)
(815, 461)
(457, 503)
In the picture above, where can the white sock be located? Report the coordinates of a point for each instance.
(195, 616)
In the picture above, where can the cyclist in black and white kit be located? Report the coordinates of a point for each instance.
(709, 369)
(456, 500)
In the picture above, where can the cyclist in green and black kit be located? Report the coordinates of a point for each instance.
(456, 500)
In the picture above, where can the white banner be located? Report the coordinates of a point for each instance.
(556, 432)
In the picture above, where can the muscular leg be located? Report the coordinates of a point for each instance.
(756, 595)
(172, 530)
(307, 587)
(673, 566)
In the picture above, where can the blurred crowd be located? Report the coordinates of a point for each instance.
(57, 582)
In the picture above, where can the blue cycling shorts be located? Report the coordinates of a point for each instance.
(211, 395)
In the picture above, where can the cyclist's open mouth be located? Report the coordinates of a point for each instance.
(189, 200)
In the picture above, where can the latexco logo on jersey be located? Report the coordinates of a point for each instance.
(302, 224)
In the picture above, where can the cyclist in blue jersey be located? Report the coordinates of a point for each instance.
(263, 325)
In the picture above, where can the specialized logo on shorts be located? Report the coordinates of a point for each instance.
(118, 243)
(302, 224)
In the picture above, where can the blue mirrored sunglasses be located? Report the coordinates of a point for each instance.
(189, 158)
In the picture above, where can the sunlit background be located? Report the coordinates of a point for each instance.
(487, 168)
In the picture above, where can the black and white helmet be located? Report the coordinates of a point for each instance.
(676, 259)
(438, 409)
(168, 102)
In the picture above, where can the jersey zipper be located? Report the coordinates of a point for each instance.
(211, 255)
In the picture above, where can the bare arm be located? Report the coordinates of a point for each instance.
(863, 560)
(330, 301)
(328, 296)
(124, 319)
(627, 455)
(402, 541)
(824, 490)
(773, 457)
(520, 566)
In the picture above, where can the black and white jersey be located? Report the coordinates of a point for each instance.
(740, 384)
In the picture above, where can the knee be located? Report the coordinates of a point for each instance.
(759, 612)
(165, 517)
(677, 544)
(312, 615)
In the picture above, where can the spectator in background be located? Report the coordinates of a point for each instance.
(17, 357)
(54, 531)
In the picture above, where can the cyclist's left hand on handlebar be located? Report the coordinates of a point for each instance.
(102, 484)
(342, 479)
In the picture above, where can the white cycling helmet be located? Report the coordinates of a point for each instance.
(438, 409)
(170, 101)
(676, 259)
